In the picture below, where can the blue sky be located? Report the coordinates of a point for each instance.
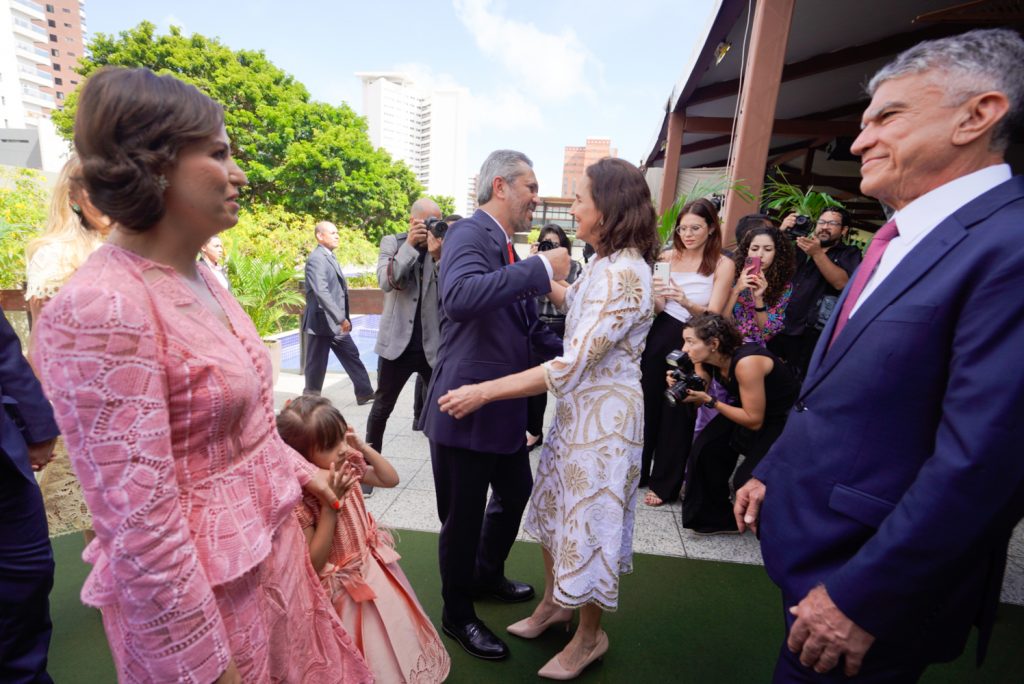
(542, 74)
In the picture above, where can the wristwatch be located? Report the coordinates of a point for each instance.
(711, 403)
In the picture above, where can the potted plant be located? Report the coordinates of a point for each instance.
(702, 188)
(783, 197)
(267, 289)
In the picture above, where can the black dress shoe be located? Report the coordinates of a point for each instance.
(367, 490)
(510, 591)
(362, 401)
(477, 640)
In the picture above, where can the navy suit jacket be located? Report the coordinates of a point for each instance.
(27, 417)
(489, 329)
(900, 474)
(326, 294)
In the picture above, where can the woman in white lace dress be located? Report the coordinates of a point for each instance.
(74, 229)
(585, 494)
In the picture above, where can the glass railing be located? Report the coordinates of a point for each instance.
(38, 94)
(31, 5)
(30, 26)
(35, 72)
(33, 50)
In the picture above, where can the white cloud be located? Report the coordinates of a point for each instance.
(504, 109)
(553, 66)
(170, 20)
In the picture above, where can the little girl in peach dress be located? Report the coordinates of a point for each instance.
(356, 560)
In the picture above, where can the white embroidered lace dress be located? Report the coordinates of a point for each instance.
(585, 493)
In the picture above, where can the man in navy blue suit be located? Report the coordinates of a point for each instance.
(886, 507)
(27, 434)
(489, 329)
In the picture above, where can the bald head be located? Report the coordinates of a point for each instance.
(425, 208)
(327, 234)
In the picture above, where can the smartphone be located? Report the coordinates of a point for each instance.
(754, 261)
(662, 269)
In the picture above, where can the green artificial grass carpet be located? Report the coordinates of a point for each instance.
(679, 621)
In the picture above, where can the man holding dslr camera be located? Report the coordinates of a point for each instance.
(822, 273)
(409, 331)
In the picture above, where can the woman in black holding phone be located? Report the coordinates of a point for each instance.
(765, 389)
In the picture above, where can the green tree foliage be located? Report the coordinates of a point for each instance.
(445, 202)
(24, 199)
(307, 156)
(273, 234)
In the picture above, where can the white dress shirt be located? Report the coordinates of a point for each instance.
(508, 240)
(919, 218)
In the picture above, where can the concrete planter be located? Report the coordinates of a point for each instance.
(274, 347)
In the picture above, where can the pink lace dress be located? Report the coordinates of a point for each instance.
(169, 421)
(373, 597)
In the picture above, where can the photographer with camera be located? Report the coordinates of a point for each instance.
(551, 237)
(409, 331)
(824, 265)
(726, 451)
(691, 277)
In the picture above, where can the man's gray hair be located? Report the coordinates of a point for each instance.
(972, 63)
(505, 164)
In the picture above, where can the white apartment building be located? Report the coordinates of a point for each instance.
(427, 129)
(27, 136)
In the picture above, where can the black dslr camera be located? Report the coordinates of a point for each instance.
(547, 246)
(803, 227)
(685, 376)
(437, 227)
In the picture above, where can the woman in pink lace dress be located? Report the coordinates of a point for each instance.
(162, 389)
(356, 560)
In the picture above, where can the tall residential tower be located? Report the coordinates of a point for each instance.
(425, 128)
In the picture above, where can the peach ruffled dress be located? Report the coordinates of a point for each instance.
(372, 595)
(168, 415)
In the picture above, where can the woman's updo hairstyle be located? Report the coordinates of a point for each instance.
(130, 126)
(708, 326)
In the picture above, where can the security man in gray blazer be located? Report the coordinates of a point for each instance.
(409, 330)
(326, 321)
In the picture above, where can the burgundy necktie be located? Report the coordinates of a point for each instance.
(511, 254)
(874, 254)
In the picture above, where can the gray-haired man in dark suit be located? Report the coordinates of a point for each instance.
(325, 320)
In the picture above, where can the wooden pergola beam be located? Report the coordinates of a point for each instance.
(830, 61)
(785, 127)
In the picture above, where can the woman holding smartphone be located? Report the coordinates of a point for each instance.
(757, 302)
(698, 280)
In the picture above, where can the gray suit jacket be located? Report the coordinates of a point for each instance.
(405, 281)
(326, 294)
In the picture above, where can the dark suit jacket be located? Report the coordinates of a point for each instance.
(489, 329)
(326, 294)
(27, 417)
(900, 476)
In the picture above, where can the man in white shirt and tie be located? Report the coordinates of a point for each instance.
(886, 506)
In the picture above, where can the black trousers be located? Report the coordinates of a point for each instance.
(476, 534)
(26, 577)
(318, 347)
(391, 378)
(666, 334)
(707, 504)
(672, 450)
(796, 350)
(538, 403)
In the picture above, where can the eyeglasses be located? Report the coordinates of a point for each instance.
(831, 224)
(690, 229)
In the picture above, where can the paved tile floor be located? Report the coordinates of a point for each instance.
(658, 531)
